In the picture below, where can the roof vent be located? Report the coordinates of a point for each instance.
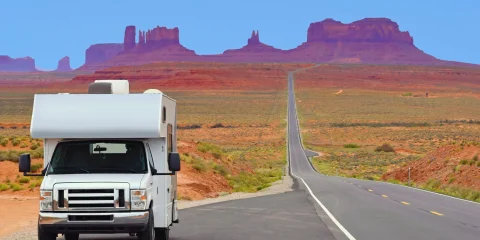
(154, 91)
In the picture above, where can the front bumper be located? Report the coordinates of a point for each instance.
(93, 222)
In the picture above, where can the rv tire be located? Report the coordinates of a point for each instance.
(71, 236)
(149, 232)
(162, 233)
(46, 235)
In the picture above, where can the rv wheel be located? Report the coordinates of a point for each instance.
(149, 232)
(162, 233)
(71, 236)
(46, 235)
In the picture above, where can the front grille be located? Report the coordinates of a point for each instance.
(91, 200)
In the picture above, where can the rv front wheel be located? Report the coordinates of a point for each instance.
(162, 233)
(71, 236)
(46, 235)
(149, 232)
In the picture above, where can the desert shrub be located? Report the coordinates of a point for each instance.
(4, 142)
(216, 151)
(464, 162)
(433, 184)
(181, 197)
(252, 182)
(192, 126)
(409, 94)
(220, 169)
(4, 187)
(218, 125)
(23, 145)
(13, 155)
(15, 142)
(24, 180)
(451, 179)
(186, 158)
(199, 164)
(351, 145)
(34, 146)
(475, 158)
(16, 187)
(35, 167)
(385, 148)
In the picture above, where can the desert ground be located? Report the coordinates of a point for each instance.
(348, 112)
(232, 119)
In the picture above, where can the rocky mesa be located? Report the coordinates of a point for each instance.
(8, 64)
(370, 40)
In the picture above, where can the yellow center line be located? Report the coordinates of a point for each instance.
(370, 190)
(436, 213)
(406, 203)
(384, 196)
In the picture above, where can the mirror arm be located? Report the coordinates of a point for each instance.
(165, 174)
(33, 174)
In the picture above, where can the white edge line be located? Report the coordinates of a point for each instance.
(339, 225)
(419, 189)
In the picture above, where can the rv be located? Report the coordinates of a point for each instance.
(110, 162)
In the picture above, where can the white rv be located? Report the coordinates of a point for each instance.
(110, 162)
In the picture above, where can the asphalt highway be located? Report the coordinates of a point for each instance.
(375, 210)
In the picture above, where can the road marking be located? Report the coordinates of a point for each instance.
(385, 196)
(349, 236)
(436, 213)
(406, 203)
(370, 190)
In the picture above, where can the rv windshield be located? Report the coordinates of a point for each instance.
(99, 157)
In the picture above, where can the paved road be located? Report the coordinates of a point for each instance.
(285, 216)
(375, 210)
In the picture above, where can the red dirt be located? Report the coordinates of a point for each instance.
(440, 164)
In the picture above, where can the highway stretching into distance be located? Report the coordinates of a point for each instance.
(329, 207)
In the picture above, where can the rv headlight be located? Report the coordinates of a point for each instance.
(138, 199)
(46, 200)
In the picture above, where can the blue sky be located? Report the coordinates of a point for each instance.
(48, 30)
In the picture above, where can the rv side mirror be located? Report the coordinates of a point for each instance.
(174, 162)
(24, 163)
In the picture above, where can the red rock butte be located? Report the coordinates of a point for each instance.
(64, 65)
(8, 64)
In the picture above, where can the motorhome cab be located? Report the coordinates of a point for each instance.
(110, 162)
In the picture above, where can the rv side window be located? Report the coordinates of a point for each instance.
(150, 160)
(169, 138)
(164, 114)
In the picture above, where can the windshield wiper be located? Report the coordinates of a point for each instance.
(69, 170)
(116, 170)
